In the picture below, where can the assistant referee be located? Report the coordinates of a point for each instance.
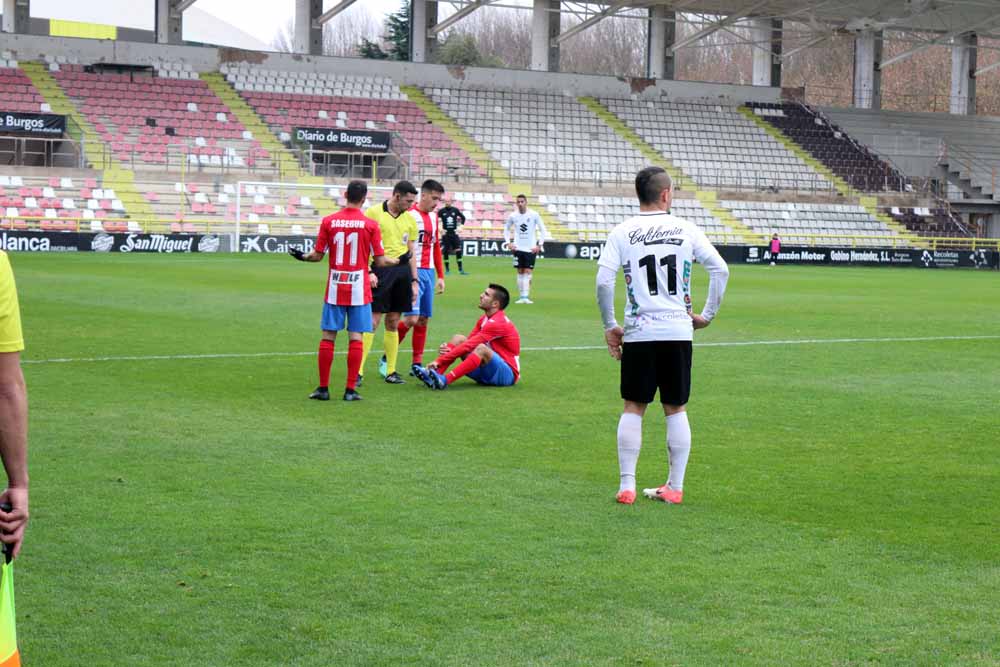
(397, 287)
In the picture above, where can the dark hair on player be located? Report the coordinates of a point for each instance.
(524, 197)
(404, 188)
(650, 182)
(501, 294)
(356, 192)
(430, 185)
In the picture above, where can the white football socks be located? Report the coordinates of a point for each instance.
(629, 444)
(678, 448)
(523, 284)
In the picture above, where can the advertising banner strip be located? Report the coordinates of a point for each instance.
(336, 139)
(38, 124)
(28, 241)
(14, 241)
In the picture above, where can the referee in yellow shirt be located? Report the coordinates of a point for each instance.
(398, 286)
(13, 413)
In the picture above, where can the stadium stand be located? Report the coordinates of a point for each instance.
(592, 217)
(286, 100)
(930, 222)
(60, 204)
(195, 207)
(535, 136)
(856, 164)
(716, 146)
(485, 213)
(164, 120)
(815, 224)
(17, 92)
(540, 136)
(967, 146)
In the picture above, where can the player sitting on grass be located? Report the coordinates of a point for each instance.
(489, 353)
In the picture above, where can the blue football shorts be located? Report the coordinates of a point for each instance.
(357, 318)
(425, 302)
(494, 373)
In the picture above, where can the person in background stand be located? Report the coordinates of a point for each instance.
(775, 247)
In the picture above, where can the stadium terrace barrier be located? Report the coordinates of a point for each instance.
(103, 242)
(917, 257)
(29, 241)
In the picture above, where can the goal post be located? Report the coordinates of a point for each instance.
(263, 207)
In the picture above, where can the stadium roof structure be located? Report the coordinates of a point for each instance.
(927, 22)
(940, 17)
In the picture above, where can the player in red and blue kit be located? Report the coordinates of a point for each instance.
(430, 269)
(352, 240)
(490, 354)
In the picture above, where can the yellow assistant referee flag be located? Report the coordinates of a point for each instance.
(9, 656)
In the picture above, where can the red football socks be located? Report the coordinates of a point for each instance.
(419, 342)
(401, 330)
(469, 364)
(355, 352)
(325, 360)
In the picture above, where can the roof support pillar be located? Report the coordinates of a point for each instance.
(963, 74)
(868, 70)
(766, 37)
(423, 44)
(545, 28)
(660, 35)
(16, 16)
(308, 36)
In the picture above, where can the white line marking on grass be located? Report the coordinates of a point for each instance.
(558, 348)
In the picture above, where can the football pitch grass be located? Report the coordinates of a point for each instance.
(841, 507)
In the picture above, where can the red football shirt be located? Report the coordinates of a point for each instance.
(352, 240)
(427, 249)
(497, 332)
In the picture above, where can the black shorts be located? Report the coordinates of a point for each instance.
(524, 260)
(393, 294)
(451, 243)
(651, 365)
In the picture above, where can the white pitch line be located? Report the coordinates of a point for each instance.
(565, 348)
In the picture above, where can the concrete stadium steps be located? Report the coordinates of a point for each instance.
(493, 169)
(61, 104)
(288, 165)
(707, 198)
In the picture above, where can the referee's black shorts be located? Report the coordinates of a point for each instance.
(660, 364)
(451, 243)
(393, 293)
